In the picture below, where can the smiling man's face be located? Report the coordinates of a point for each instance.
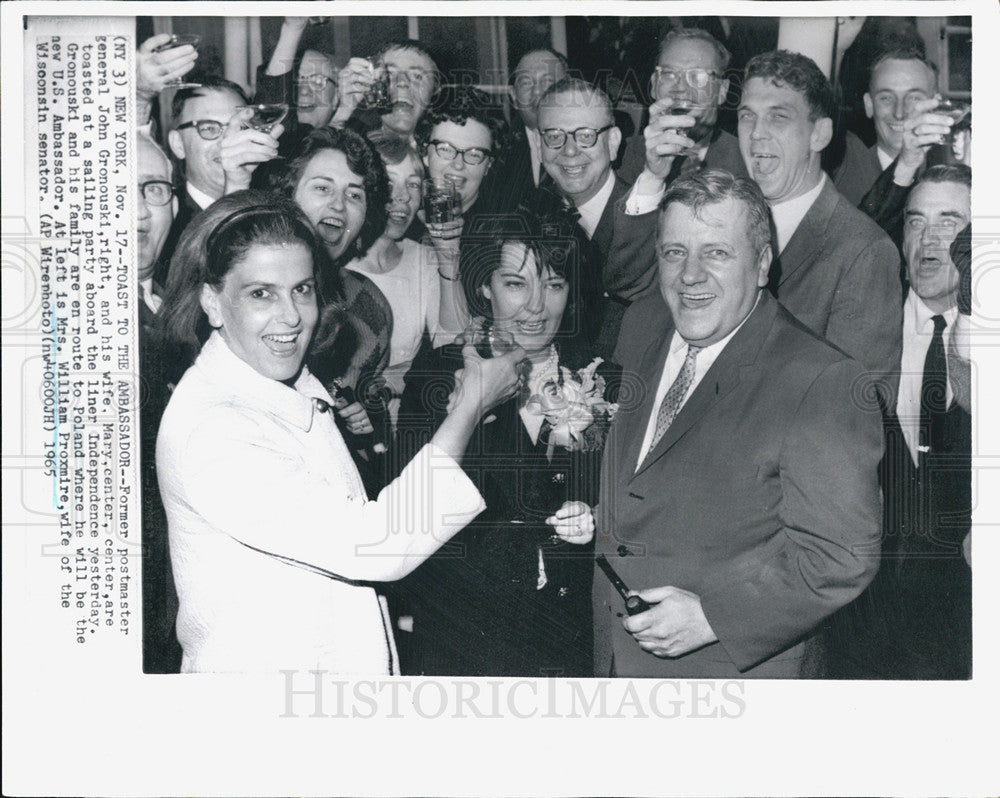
(896, 84)
(709, 272)
(579, 172)
(412, 80)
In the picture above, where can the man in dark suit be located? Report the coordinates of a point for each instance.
(835, 270)
(899, 79)
(216, 151)
(928, 493)
(156, 206)
(922, 131)
(518, 170)
(579, 142)
(689, 73)
(739, 489)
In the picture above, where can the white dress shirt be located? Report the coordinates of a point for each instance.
(153, 302)
(534, 139)
(201, 199)
(268, 518)
(918, 330)
(592, 210)
(788, 215)
(884, 159)
(675, 360)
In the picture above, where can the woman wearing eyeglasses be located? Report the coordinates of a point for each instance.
(460, 138)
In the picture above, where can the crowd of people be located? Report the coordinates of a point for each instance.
(389, 433)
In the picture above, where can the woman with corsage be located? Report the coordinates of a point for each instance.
(511, 594)
(275, 547)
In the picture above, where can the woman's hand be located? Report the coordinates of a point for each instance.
(573, 522)
(356, 418)
(446, 237)
(483, 383)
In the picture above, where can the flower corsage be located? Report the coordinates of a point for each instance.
(575, 407)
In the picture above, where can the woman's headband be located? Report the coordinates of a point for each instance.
(237, 216)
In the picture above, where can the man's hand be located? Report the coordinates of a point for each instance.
(921, 129)
(355, 79)
(673, 626)
(665, 138)
(242, 149)
(573, 522)
(155, 70)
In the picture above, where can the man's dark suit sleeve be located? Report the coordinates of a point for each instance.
(826, 550)
(885, 203)
(630, 269)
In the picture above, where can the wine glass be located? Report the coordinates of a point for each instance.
(179, 40)
(958, 111)
(265, 115)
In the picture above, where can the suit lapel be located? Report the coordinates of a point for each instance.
(633, 430)
(606, 224)
(808, 240)
(721, 378)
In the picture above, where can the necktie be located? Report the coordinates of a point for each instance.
(934, 391)
(571, 211)
(671, 404)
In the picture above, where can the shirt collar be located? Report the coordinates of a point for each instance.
(884, 158)
(592, 209)
(201, 199)
(922, 315)
(789, 214)
(293, 405)
(150, 294)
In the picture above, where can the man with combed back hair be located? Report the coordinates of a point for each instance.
(739, 491)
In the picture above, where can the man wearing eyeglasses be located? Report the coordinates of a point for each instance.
(217, 151)
(156, 206)
(579, 142)
(306, 81)
(689, 76)
(156, 209)
(521, 161)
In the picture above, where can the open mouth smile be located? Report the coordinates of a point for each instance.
(281, 344)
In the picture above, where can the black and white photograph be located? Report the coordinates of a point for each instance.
(395, 390)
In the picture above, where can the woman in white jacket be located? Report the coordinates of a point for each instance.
(272, 540)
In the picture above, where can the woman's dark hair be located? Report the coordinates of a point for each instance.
(363, 160)
(556, 243)
(458, 104)
(212, 243)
